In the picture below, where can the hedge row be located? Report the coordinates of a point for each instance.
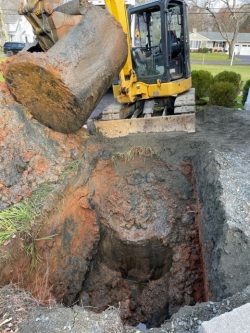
(222, 89)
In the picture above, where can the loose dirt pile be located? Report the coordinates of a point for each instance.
(35, 161)
(19, 312)
(30, 153)
(15, 306)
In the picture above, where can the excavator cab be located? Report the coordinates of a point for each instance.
(159, 37)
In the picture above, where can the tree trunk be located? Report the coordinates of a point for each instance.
(232, 43)
(62, 86)
(231, 49)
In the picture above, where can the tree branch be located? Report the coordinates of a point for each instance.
(223, 33)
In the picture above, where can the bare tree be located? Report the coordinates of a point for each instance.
(197, 21)
(245, 26)
(228, 15)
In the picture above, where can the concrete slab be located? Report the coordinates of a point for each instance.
(236, 321)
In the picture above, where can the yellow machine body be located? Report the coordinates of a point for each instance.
(129, 88)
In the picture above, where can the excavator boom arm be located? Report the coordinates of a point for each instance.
(118, 9)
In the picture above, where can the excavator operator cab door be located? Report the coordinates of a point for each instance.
(160, 41)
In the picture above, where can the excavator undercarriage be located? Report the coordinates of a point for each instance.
(176, 114)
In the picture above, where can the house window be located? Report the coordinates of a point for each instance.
(195, 44)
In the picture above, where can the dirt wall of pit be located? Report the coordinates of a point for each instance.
(223, 191)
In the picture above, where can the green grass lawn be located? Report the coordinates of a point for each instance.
(211, 57)
(244, 71)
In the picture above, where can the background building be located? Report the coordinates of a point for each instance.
(216, 43)
(13, 26)
(18, 29)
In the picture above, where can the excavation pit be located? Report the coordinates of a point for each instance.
(147, 232)
(127, 234)
(148, 261)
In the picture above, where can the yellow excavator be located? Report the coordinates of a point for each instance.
(153, 89)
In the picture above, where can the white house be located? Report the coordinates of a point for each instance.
(18, 29)
(215, 42)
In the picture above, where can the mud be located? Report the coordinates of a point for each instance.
(62, 86)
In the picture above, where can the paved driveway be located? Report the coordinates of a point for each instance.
(244, 60)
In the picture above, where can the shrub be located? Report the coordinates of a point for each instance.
(245, 91)
(203, 50)
(223, 93)
(231, 77)
(201, 81)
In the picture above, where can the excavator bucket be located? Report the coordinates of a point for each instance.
(62, 86)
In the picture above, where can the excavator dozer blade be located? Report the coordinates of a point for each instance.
(62, 86)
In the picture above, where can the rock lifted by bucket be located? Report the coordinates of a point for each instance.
(62, 86)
